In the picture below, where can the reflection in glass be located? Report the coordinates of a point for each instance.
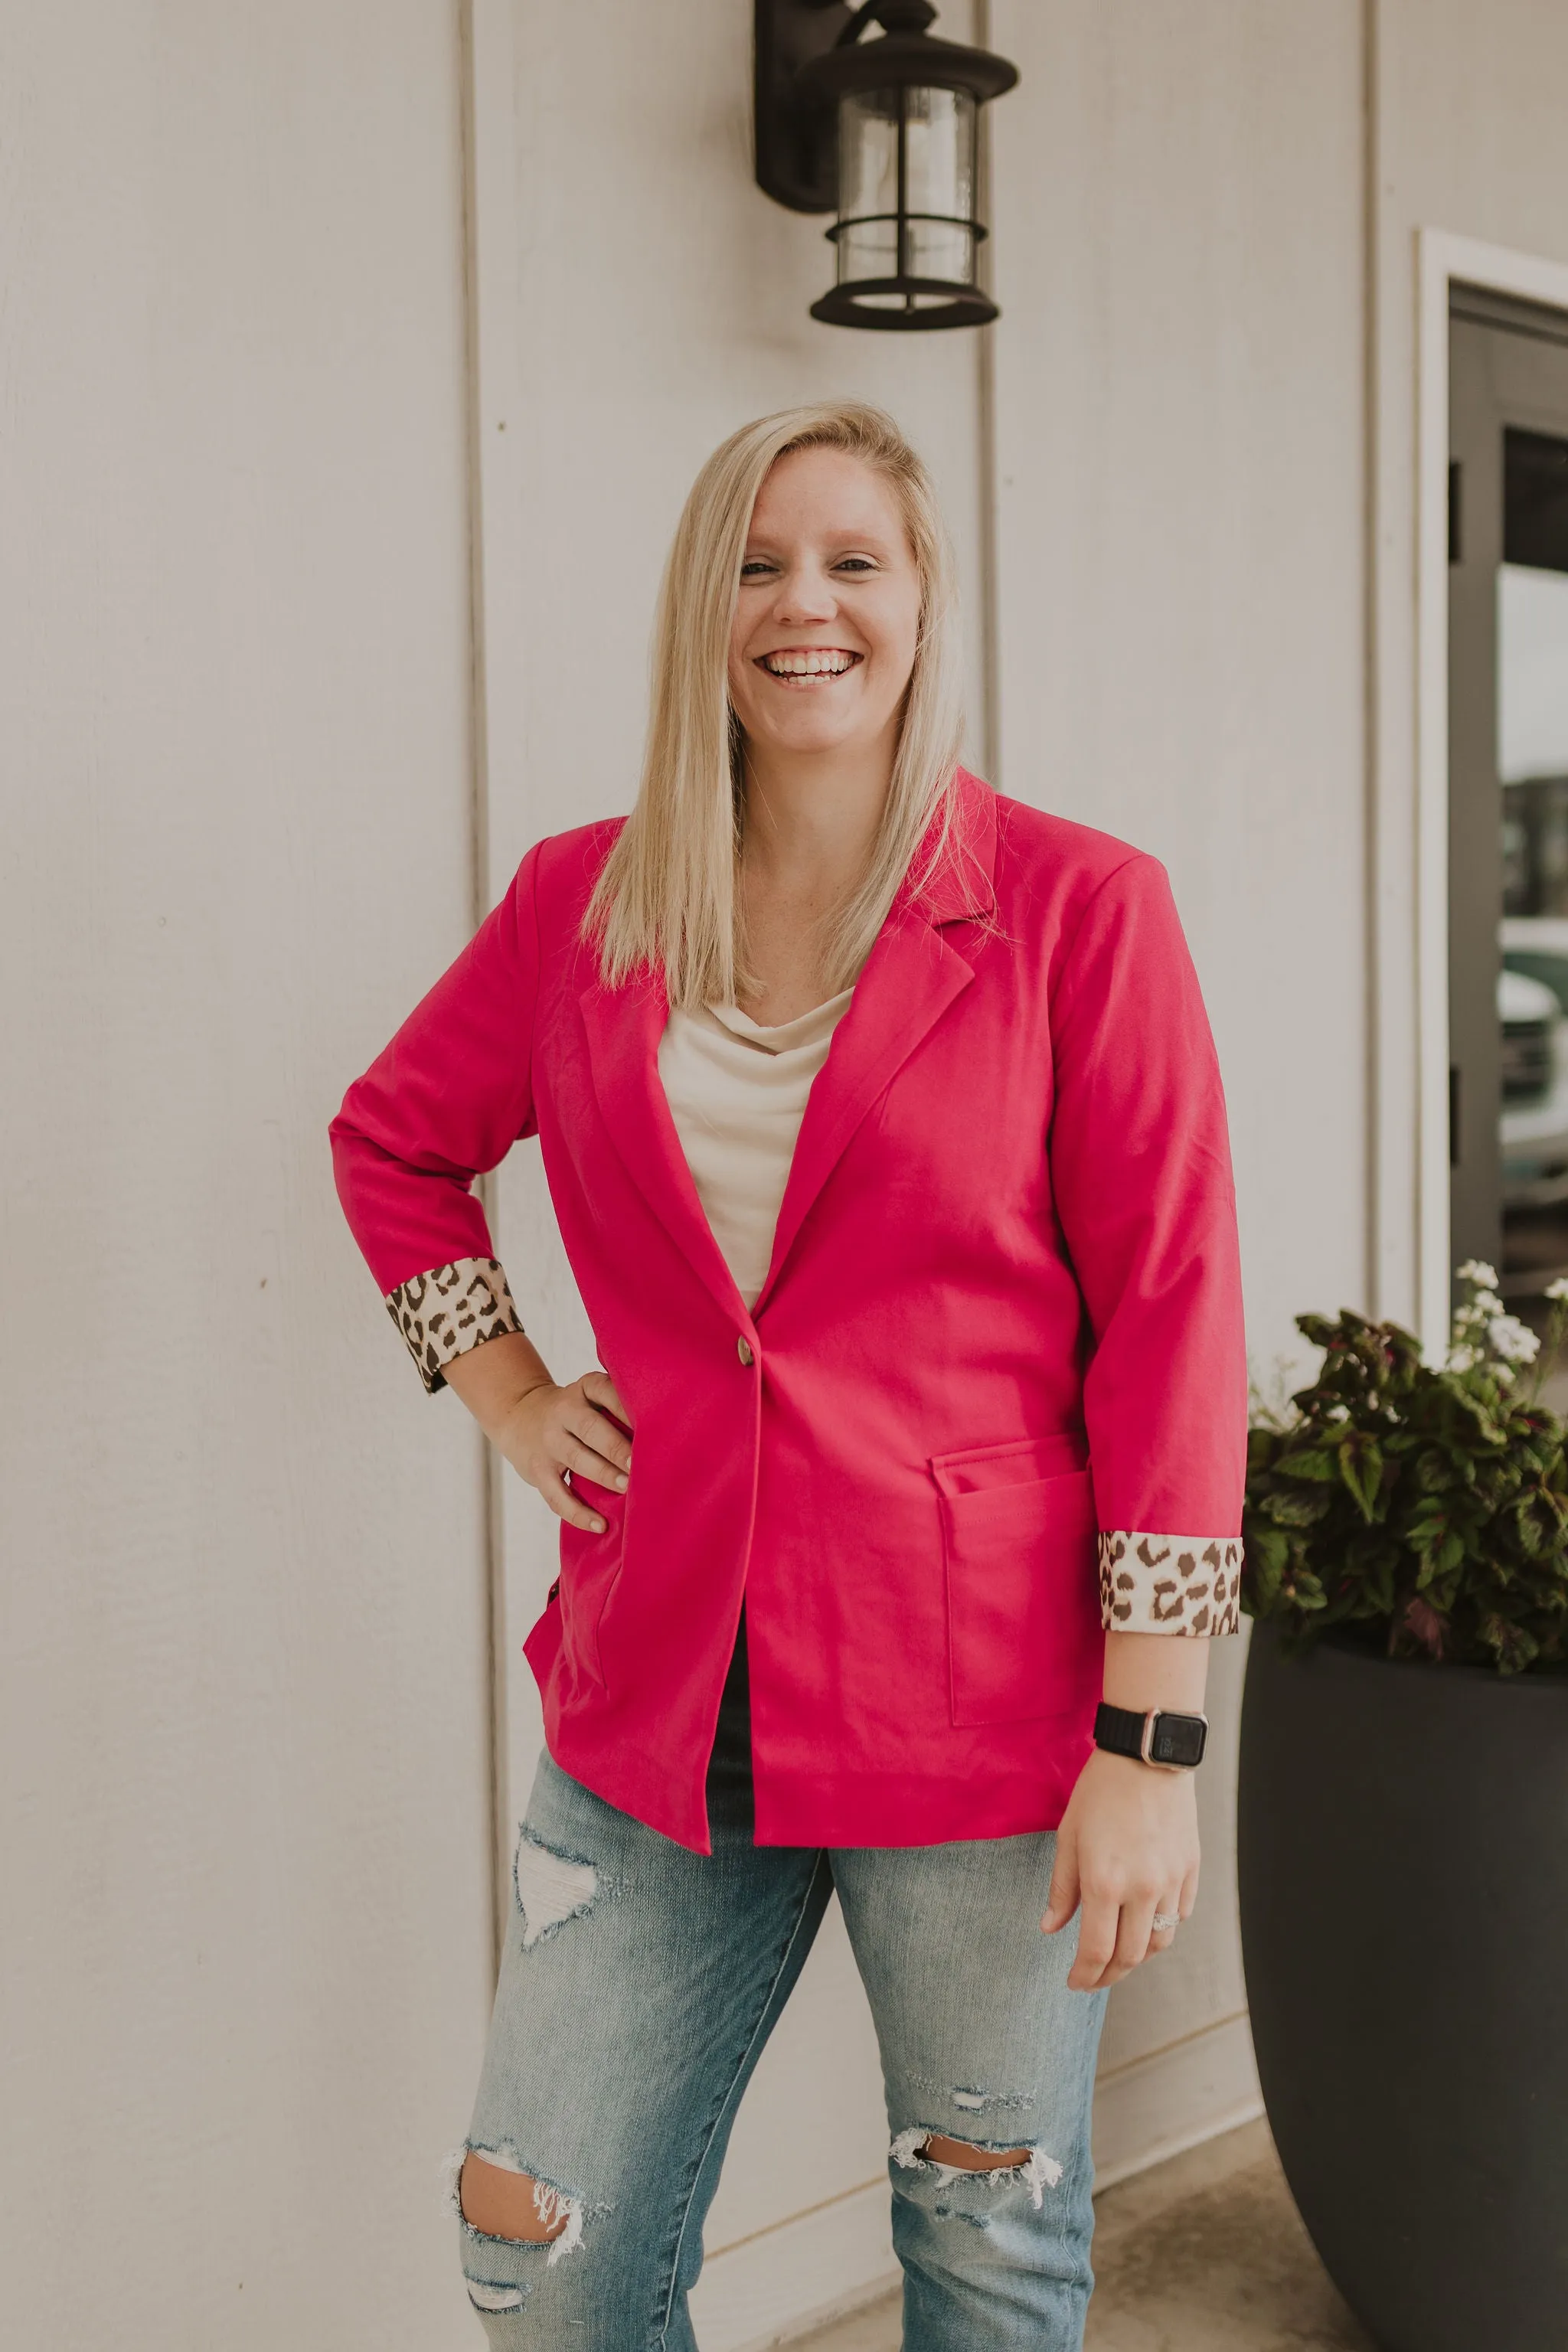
(869, 191)
(1532, 985)
(940, 171)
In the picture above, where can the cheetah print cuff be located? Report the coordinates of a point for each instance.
(1170, 1585)
(444, 1313)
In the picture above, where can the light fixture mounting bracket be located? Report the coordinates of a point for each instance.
(797, 153)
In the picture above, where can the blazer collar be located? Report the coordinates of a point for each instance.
(910, 978)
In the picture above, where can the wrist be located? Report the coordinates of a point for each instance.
(1156, 1670)
(1167, 1740)
(512, 1410)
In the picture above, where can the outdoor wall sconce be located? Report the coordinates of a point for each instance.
(884, 131)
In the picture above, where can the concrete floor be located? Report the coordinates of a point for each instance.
(1205, 2254)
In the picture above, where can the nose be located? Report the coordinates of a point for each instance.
(806, 593)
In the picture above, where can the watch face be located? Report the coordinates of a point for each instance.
(1178, 1739)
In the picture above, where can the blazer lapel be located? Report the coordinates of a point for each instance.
(623, 1026)
(910, 978)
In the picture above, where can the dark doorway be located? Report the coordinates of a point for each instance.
(1507, 785)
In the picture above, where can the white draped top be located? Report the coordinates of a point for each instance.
(737, 1094)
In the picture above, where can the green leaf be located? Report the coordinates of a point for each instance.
(1291, 1510)
(1360, 1467)
(1310, 1461)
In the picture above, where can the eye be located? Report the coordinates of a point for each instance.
(755, 567)
(855, 563)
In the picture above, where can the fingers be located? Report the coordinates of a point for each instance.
(552, 1484)
(1160, 1939)
(1062, 1900)
(596, 1431)
(1118, 1933)
(565, 1436)
(579, 1451)
(1134, 1929)
(1098, 1927)
(600, 1390)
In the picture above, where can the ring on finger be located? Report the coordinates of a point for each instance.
(1166, 1922)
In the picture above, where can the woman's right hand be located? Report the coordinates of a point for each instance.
(551, 1431)
(542, 1430)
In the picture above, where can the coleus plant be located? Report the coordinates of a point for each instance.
(1422, 1507)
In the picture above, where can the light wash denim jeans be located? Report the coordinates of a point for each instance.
(640, 1984)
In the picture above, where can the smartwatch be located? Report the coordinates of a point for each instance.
(1172, 1742)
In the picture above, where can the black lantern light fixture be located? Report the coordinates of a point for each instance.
(884, 132)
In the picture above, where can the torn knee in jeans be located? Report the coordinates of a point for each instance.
(964, 2156)
(1028, 2167)
(497, 2199)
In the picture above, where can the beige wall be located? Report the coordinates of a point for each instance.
(243, 1860)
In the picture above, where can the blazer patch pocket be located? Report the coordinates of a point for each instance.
(1023, 1609)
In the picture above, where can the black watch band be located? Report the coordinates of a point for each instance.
(1175, 1742)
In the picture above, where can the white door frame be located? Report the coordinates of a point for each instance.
(1442, 258)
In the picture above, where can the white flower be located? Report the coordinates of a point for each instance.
(1477, 1270)
(1515, 1341)
(1461, 1359)
(1558, 1290)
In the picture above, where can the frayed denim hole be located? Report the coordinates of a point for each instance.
(552, 2204)
(450, 2172)
(550, 1886)
(1037, 2173)
(973, 2099)
(518, 2246)
(495, 2294)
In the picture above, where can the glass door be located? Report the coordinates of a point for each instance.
(1507, 768)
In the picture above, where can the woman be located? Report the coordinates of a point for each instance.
(882, 1123)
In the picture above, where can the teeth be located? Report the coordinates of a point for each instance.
(809, 663)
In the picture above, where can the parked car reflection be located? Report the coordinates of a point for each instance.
(1532, 1015)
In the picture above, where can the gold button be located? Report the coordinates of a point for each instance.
(743, 1348)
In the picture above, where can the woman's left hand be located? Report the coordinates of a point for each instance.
(1127, 1848)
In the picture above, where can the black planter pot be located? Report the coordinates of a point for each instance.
(1404, 1871)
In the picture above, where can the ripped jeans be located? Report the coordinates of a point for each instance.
(638, 1986)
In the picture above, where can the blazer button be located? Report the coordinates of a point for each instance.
(743, 1348)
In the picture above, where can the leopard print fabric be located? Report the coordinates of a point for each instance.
(1170, 1585)
(444, 1313)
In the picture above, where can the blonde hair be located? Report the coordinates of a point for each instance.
(666, 897)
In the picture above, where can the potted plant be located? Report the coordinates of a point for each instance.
(1403, 1833)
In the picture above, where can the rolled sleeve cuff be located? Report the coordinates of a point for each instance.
(446, 1312)
(1169, 1584)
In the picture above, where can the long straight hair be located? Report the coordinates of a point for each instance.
(666, 897)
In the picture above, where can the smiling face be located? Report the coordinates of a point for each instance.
(828, 617)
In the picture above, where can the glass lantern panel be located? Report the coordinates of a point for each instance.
(869, 249)
(867, 154)
(943, 249)
(869, 191)
(939, 168)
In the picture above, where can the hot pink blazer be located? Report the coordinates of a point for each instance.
(1001, 1335)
